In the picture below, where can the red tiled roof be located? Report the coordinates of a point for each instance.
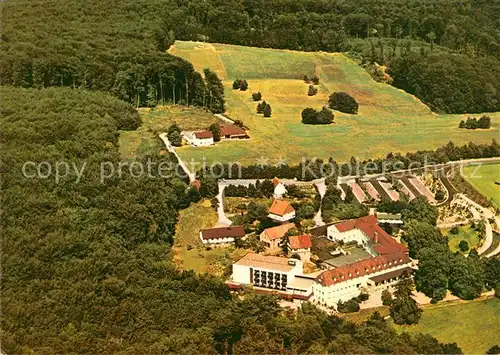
(203, 134)
(223, 232)
(280, 208)
(361, 268)
(196, 184)
(300, 241)
(232, 130)
(383, 243)
(278, 232)
(358, 192)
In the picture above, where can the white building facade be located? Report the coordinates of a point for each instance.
(272, 273)
(332, 286)
(198, 139)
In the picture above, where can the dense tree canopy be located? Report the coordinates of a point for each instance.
(86, 265)
(450, 83)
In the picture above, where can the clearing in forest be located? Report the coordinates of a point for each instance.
(389, 120)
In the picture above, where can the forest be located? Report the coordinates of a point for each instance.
(86, 267)
(119, 46)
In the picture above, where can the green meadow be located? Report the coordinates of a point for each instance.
(389, 120)
(472, 325)
(485, 179)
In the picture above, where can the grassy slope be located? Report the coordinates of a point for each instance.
(472, 325)
(157, 120)
(388, 119)
(483, 179)
(215, 261)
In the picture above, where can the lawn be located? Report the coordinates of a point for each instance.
(389, 119)
(464, 233)
(189, 251)
(484, 179)
(154, 121)
(472, 325)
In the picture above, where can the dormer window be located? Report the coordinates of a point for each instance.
(357, 272)
(350, 274)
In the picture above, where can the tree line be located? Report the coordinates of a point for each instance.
(484, 122)
(119, 55)
(314, 169)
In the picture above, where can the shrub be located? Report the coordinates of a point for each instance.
(214, 202)
(215, 129)
(256, 96)
(343, 102)
(348, 307)
(306, 79)
(315, 80)
(484, 122)
(454, 230)
(311, 116)
(439, 195)
(261, 106)
(312, 91)
(243, 85)
(386, 297)
(236, 84)
(463, 246)
(363, 297)
(267, 110)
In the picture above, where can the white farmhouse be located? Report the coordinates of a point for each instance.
(199, 138)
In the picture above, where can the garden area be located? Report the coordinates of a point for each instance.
(189, 253)
(471, 234)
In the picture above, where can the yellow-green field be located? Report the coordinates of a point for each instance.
(389, 119)
(155, 121)
(472, 325)
(483, 179)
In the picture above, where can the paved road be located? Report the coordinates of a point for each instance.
(224, 118)
(320, 184)
(223, 220)
(480, 212)
(171, 149)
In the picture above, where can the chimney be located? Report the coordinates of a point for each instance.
(376, 237)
